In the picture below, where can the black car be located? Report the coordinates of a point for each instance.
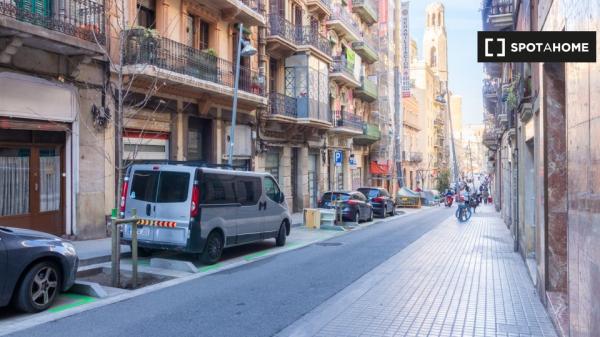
(354, 205)
(34, 268)
(383, 203)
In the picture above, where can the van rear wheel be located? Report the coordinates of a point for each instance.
(213, 249)
(281, 236)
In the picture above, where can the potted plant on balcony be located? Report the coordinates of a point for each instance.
(255, 86)
(142, 45)
(207, 65)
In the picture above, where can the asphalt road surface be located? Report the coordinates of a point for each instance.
(257, 299)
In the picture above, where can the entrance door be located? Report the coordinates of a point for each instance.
(32, 187)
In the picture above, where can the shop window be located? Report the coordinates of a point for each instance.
(272, 164)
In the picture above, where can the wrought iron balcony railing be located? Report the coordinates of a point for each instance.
(498, 7)
(83, 19)
(345, 17)
(279, 26)
(256, 5)
(308, 35)
(144, 48)
(347, 120)
(280, 104)
(490, 88)
(340, 64)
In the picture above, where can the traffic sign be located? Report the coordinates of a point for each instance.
(338, 158)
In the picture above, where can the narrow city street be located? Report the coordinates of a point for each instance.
(418, 275)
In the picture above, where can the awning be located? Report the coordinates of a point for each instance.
(377, 168)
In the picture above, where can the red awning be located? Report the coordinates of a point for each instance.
(377, 168)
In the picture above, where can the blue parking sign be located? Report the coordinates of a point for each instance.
(338, 158)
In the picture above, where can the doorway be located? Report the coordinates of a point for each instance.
(32, 181)
(313, 179)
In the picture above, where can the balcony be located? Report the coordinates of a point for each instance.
(367, 90)
(249, 12)
(438, 122)
(366, 9)
(343, 73)
(309, 38)
(413, 157)
(343, 24)
(282, 107)
(498, 14)
(490, 140)
(282, 36)
(69, 27)
(490, 90)
(322, 7)
(370, 135)
(366, 48)
(180, 68)
(347, 123)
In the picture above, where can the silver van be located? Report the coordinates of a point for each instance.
(202, 210)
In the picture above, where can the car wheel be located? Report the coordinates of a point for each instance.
(39, 288)
(392, 211)
(371, 216)
(357, 217)
(281, 236)
(385, 212)
(213, 249)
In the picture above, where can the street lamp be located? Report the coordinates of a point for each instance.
(244, 49)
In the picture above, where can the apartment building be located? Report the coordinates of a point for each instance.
(54, 110)
(539, 129)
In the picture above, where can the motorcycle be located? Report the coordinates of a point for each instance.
(448, 201)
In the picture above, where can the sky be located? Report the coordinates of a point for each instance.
(463, 20)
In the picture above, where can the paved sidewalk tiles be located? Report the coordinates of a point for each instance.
(457, 280)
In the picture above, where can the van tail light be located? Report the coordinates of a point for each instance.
(123, 195)
(378, 199)
(194, 209)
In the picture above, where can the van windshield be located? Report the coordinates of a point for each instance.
(160, 186)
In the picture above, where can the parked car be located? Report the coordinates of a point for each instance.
(34, 268)
(201, 210)
(354, 205)
(383, 203)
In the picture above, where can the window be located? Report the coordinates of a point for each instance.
(248, 190)
(217, 189)
(433, 59)
(204, 34)
(146, 16)
(173, 186)
(143, 186)
(369, 192)
(336, 196)
(271, 189)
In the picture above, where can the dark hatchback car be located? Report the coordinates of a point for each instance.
(34, 268)
(354, 205)
(383, 204)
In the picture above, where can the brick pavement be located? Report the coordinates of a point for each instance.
(457, 280)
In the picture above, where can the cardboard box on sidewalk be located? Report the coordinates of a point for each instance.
(312, 218)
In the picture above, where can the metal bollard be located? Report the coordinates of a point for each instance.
(134, 250)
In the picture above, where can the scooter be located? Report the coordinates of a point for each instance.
(449, 200)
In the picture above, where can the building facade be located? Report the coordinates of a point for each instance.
(539, 134)
(54, 109)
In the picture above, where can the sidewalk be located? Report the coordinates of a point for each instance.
(457, 280)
